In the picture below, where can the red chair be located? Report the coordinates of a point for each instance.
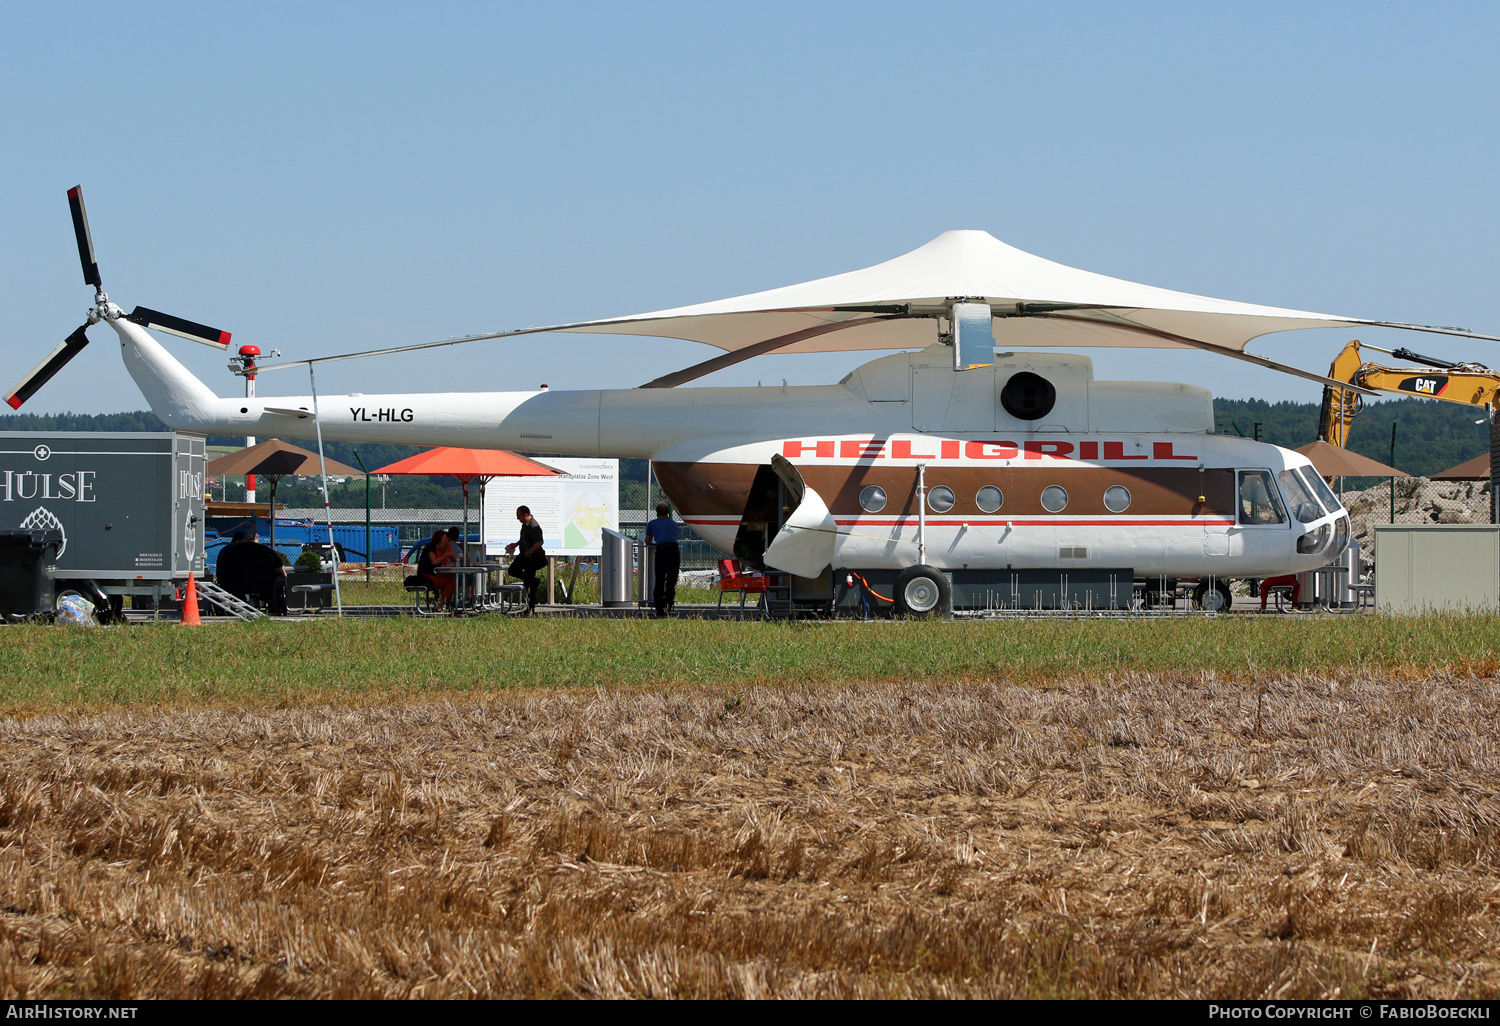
(732, 577)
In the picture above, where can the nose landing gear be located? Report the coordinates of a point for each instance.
(1212, 595)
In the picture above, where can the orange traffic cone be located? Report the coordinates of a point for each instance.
(190, 603)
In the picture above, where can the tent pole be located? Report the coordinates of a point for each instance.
(1494, 464)
(922, 514)
(1393, 463)
(367, 515)
(338, 599)
(275, 479)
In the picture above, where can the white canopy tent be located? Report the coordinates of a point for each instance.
(904, 303)
(975, 266)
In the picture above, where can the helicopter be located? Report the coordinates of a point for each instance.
(967, 471)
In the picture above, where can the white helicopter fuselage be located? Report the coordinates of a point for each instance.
(1110, 475)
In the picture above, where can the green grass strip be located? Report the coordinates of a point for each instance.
(54, 668)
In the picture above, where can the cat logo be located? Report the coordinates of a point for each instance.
(1427, 384)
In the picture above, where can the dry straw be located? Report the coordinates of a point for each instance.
(1115, 834)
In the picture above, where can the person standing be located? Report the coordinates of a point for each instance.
(662, 533)
(530, 557)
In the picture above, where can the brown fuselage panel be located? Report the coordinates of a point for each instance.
(722, 489)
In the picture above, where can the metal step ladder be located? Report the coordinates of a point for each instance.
(227, 602)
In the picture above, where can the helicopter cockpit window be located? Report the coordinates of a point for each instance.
(1258, 501)
(1299, 497)
(1320, 489)
(872, 499)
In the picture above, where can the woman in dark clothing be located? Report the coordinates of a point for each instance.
(439, 552)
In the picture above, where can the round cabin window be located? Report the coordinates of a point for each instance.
(872, 499)
(1117, 498)
(1054, 499)
(940, 499)
(989, 499)
(1028, 396)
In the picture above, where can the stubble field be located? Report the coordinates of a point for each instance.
(1018, 828)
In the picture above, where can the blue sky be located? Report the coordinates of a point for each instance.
(323, 178)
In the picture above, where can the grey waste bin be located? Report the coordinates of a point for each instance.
(615, 569)
(26, 559)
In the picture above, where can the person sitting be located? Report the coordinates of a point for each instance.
(264, 574)
(230, 571)
(438, 552)
(1280, 582)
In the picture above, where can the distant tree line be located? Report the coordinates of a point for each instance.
(1430, 435)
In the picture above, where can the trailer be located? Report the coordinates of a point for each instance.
(129, 506)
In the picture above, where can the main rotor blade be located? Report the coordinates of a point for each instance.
(177, 326)
(723, 360)
(1209, 347)
(268, 367)
(84, 236)
(1435, 329)
(43, 372)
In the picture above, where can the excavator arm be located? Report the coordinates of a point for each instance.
(1468, 383)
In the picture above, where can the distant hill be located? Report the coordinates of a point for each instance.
(1430, 436)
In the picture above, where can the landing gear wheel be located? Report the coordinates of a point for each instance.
(923, 591)
(1215, 598)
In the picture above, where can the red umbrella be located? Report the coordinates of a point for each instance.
(469, 465)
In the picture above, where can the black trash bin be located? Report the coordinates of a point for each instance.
(26, 559)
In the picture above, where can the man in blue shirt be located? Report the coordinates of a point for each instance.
(662, 532)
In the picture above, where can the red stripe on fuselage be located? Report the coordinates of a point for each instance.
(1060, 522)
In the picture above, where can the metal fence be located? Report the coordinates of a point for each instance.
(1418, 500)
(395, 532)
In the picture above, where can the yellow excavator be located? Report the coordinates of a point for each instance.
(1470, 383)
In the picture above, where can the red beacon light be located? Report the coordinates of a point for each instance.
(243, 363)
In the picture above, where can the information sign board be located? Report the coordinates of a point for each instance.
(574, 509)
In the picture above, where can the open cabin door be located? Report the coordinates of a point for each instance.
(804, 544)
